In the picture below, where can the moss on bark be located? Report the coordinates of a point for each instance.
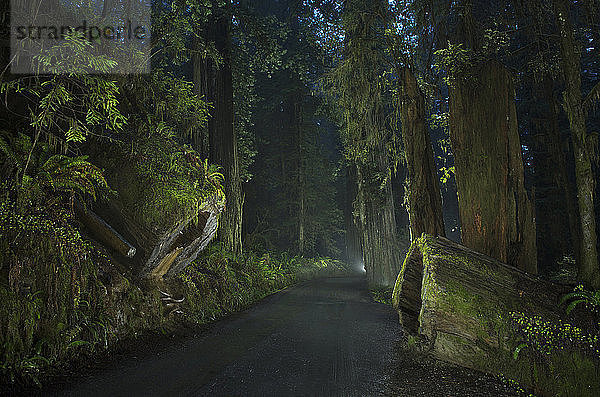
(424, 200)
(463, 299)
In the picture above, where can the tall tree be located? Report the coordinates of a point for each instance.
(214, 80)
(496, 213)
(353, 245)
(497, 217)
(540, 117)
(293, 205)
(575, 108)
(359, 84)
(377, 220)
(424, 198)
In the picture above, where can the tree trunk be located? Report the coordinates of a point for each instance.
(555, 211)
(497, 216)
(103, 232)
(589, 273)
(353, 246)
(301, 185)
(203, 72)
(147, 250)
(458, 302)
(560, 170)
(217, 85)
(377, 222)
(425, 200)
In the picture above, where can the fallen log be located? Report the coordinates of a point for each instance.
(457, 302)
(103, 232)
(166, 250)
(169, 217)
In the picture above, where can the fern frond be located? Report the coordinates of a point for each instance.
(73, 174)
(573, 304)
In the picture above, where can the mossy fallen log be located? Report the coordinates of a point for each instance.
(457, 302)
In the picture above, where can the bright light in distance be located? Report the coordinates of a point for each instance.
(360, 267)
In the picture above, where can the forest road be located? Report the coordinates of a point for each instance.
(324, 337)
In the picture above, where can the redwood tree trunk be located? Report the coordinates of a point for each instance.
(573, 105)
(203, 74)
(497, 216)
(217, 85)
(353, 245)
(301, 179)
(377, 222)
(560, 170)
(425, 200)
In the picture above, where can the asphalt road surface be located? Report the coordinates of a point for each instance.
(321, 338)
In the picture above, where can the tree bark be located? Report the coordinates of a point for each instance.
(458, 302)
(301, 179)
(425, 200)
(147, 249)
(216, 84)
(203, 70)
(589, 272)
(377, 221)
(497, 216)
(560, 170)
(102, 231)
(353, 246)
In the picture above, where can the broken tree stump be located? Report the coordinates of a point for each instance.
(159, 251)
(457, 302)
(165, 205)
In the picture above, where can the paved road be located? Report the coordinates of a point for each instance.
(322, 338)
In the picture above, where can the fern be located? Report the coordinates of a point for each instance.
(591, 299)
(53, 173)
(518, 350)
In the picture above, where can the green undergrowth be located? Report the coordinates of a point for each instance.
(219, 282)
(563, 359)
(51, 295)
(62, 305)
(159, 181)
(382, 295)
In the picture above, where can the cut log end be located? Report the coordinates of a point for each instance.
(459, 300)
(99, 229)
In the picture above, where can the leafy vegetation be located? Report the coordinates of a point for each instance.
(383, 295)
(590, 299)
(220, 282)
(52, 301)
(547, 337)
(564, 358)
